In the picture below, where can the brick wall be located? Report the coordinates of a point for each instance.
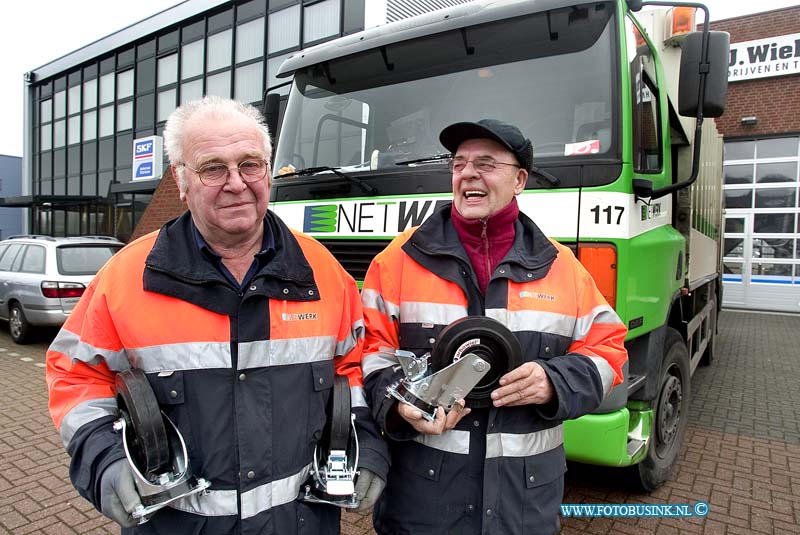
(165, 205)
(774, 101)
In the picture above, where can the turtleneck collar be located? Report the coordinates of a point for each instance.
(497, 225)
(486, 241)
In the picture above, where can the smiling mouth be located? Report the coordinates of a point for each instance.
(474, 194)
(237, 205)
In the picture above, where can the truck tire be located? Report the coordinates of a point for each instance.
(670, 416)
(18, 324)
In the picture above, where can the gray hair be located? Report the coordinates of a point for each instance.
(213, 106)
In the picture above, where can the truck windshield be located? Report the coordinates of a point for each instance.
(550, 73)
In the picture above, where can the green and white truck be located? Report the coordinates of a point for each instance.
(617, 101)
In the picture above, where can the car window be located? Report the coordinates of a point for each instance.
(33, 259)
(18, 260)
(83, 259)
(9, 255)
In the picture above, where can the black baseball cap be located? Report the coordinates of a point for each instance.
(506, 134)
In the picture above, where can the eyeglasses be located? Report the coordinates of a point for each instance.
(481, 165)
(216, 174)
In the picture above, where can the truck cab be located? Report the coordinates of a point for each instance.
(613, 99)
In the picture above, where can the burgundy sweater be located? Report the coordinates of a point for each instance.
(486, 240)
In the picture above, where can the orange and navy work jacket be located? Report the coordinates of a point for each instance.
(499, 471)
(245, 374)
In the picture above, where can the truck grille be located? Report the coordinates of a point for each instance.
(355, 255)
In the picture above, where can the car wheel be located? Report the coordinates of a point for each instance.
(18, 326)
(671, 415)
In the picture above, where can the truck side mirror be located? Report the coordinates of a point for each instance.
(271, 111)
(716, 86)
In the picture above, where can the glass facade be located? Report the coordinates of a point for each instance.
(761, 210)
(84, 119)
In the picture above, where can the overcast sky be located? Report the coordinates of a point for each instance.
(38, 31)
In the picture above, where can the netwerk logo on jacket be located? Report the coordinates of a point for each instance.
(538, 295)
(299, 317)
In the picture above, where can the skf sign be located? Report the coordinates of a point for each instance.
(147, 155)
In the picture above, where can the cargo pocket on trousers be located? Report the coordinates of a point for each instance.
(544, 490)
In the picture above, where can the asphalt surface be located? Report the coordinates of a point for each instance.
(741, 453)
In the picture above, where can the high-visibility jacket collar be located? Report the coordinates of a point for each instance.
(532, 253)
(175, 256)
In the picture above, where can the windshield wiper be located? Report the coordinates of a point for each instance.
(308, 171)
(544, 178)
(434, 158)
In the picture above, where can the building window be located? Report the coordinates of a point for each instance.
(59, 133)
(219, 84)
(761, 207)
(107, 88)
(145, 111)
(90, 94)
(46, 110)
(106, 121)
(191, 91)
(249, 85)
(219, 51)
(74, 103)
(167, 70)
(321, 20)
(145, 75)
(250, 40)
(89, 125)
(124, 116)
(166, 104)
(192, 60)
(60, 104)
(46, 137)
(125, 84)
(248, 10)
(284, 29)
(74, 130)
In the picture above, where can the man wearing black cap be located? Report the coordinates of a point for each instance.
(495, 469)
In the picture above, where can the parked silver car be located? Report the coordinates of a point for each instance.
(42, 278)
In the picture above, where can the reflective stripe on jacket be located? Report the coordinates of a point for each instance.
(245, 375)
(500, 471)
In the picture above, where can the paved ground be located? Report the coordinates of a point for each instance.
(741, 453)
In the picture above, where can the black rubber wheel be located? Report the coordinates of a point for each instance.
(145, 431)
(710, 353)
(671, 414)
(18, 325)
(340, 414)
(487, 338)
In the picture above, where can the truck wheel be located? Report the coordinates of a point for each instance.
(18, 326)
(709, 353)
(671, 414)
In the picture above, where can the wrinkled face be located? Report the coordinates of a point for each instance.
(480, 194)
(236, 208)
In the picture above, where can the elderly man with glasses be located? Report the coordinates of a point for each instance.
(240, 326)
(497, 468)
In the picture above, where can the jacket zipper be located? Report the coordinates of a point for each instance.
(234, 369)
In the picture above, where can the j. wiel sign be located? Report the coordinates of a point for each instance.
(774, 56)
